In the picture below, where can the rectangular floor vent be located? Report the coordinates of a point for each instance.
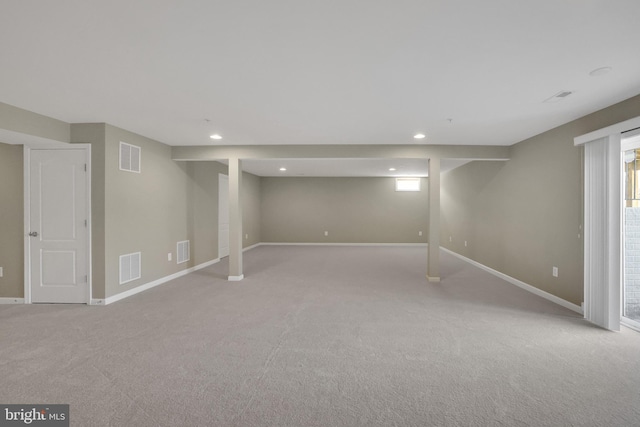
(183, 252)
(130, 267)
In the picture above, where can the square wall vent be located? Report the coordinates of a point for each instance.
(183, 252)
(130, 156)
(130, 267)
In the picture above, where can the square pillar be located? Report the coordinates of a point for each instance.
(433, 257)
(235, 220)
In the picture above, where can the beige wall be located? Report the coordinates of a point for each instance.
(523, 217)
(94, 134)
(26, 122)
(251, 216)
(149, 212)
(204, 209)
(352, 210)
(168, 202)
(11, 221)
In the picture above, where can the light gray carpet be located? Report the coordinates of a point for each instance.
(323, 336)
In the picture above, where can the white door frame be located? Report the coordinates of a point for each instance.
(27, 215)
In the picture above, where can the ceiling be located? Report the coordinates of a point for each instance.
(322, 72)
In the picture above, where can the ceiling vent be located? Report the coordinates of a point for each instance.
(558, 96)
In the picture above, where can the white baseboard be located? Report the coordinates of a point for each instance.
(153, 284)
(11, 300)
(339, 244)
(520, 284)
(630, 324)
(236, 278)
(251, 247)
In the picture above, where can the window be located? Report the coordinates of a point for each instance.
(407, 184)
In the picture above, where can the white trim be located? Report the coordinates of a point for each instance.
(338, 244)
(11, 301)
(153, 284)
(518, 283)
(630, 140)
(26, 166)
(236, 278)
(631, 324)
(89, 221)
(609, 130)
(433, 279)
(251, 247)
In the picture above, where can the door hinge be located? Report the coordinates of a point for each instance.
(85, 223)
(85, 167)
(86, 279)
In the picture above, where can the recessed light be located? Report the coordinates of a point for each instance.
(283, 169)
(419, 136)
(600, 71)
(215, 136)
(392, 169)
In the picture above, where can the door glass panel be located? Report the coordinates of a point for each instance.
(631, 288)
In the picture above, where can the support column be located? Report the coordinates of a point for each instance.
(433, 258)
(235, 220)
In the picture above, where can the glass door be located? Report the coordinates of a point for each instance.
(631, 234)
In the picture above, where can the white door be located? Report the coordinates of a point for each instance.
(223, 215)
(58, 230)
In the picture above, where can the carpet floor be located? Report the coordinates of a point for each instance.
(323, 336)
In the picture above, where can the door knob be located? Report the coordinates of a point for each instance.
(33, 234)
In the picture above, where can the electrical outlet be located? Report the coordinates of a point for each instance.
(169, 256)
(450, 239)
(554, 271)
(326, 233)
(246, 236)
(1, 271)
(419, 233)
(465, 243)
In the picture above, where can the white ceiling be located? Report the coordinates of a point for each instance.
(321, 72)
